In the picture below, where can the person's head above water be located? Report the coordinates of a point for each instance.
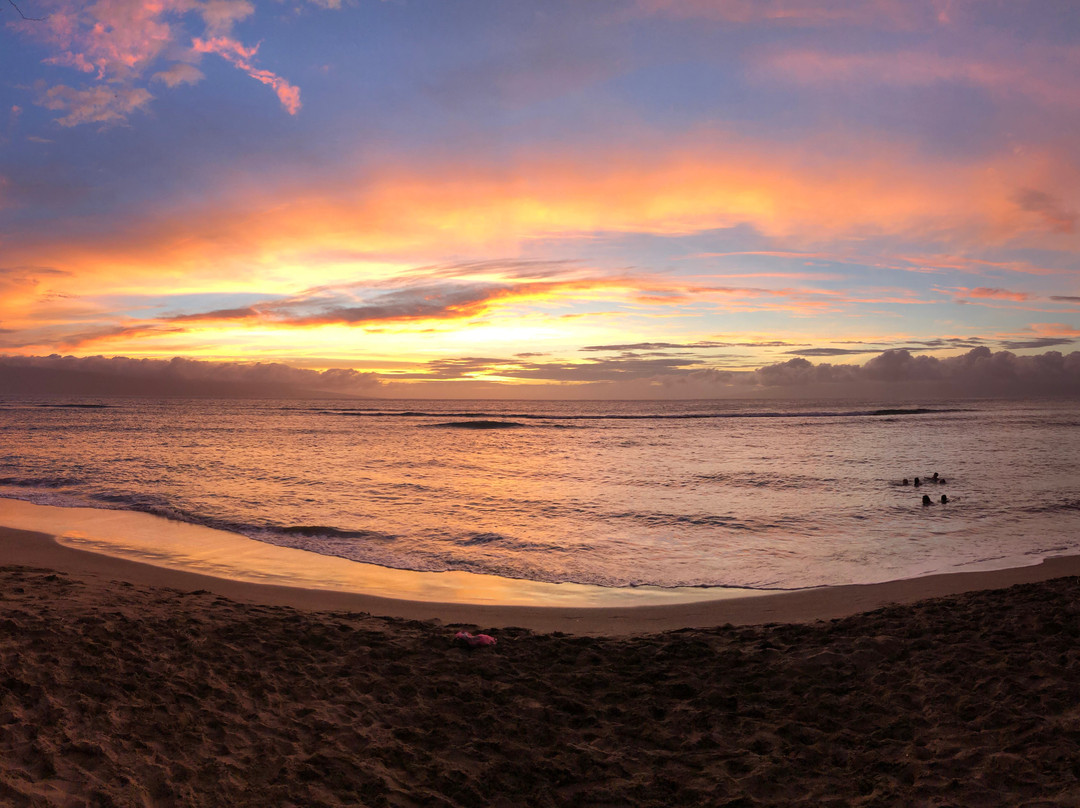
(926, 499)
(944, 499)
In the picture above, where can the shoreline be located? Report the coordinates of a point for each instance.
(41, 550)
(161, 542)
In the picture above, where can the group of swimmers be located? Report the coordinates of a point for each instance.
(926, 497)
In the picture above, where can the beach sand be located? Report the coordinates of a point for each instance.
(129, 685)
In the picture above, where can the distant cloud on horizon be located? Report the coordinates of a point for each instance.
(634, 197)
(979, 372)
(172, 374)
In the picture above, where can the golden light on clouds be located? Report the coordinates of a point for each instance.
(282, 237)
(632, 173)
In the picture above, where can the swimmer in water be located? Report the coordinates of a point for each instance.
(905, 482)
(926, 499)
(917, 483)
(944, 499)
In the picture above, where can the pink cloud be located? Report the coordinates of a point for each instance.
(973, 266)
(100, 104)
(115, 39)
(1045, 75)
(887, 14)
(121, 43)
(221, 15)
(240, 57)
(179, 73)
(229, 49)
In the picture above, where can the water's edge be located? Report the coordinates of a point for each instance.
(157, 541)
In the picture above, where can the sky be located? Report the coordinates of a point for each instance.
(598, 198)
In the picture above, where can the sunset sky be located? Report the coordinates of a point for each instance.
(613, 195)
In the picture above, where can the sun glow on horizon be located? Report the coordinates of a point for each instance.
(537, 204)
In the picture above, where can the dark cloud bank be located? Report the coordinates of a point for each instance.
(172, 378)
(979, 372)
(892, 374)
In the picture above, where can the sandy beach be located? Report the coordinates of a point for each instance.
(624, 404)
(125, 684)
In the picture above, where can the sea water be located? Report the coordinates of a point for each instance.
(760, 494)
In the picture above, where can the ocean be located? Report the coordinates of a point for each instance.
(748, 494)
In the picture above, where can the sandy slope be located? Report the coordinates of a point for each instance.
(123, 694)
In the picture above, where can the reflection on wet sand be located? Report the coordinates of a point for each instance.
(194, 548)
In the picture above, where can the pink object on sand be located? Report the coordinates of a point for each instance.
(475, 640)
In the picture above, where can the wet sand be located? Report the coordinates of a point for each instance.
(39, 550)
(129, 685)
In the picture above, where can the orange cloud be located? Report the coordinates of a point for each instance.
(435, 303)
(409, 214)
(413, 310)
(1054, 330)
